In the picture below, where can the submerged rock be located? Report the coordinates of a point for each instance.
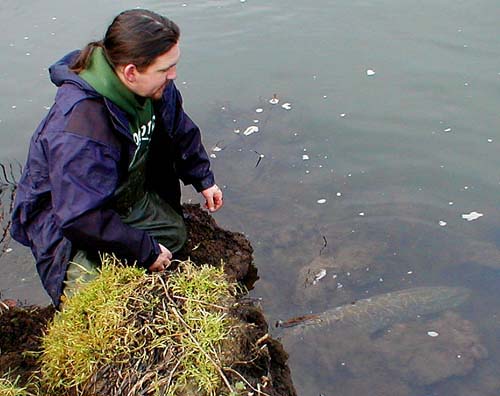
(422, 360)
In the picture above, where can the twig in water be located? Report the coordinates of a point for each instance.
(325, 242)
(260, 158)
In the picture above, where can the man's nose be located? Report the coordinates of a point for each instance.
(172, 73)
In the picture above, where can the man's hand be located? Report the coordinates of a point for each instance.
(163, 260)
(213, 198)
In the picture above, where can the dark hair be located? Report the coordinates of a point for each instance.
(135, 36)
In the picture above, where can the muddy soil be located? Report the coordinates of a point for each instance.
(21, 327)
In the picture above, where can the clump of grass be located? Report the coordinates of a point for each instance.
(129, 333)
(10, 387)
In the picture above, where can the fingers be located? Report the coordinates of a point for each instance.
(162, 262)
(209, 203)
(213, 198)
(218, 201)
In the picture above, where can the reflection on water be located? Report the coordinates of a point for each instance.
(363, 181)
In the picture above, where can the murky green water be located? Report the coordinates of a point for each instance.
(396, 158)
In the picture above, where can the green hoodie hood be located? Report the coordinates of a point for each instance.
(101, 76)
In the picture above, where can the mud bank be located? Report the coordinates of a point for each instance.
(21, 327)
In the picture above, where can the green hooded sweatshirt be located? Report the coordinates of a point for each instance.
(101, 76)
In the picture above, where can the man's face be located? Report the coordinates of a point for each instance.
(152, 81)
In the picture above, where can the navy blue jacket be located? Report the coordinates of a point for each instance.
(78, 156)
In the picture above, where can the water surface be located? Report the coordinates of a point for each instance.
(397, 158)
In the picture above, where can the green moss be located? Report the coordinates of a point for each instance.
(127, 331)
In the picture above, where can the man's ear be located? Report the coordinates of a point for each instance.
(130, 73)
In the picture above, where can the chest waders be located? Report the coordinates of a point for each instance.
(138, 208)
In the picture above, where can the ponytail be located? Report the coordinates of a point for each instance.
(82, 61)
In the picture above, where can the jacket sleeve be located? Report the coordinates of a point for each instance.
(191, 160)
(84, 175)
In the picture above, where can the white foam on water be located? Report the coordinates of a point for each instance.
(251, 130)
(320, 275)
(472, 216)
(321, 201)
(274, 100)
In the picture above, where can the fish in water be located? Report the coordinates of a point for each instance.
(381, 311)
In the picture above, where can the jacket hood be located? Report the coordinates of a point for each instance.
(60, 73)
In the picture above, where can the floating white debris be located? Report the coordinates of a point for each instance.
(251, 129)
(361, 213)
(305, 157)
(14, 106)
(370, 72)
(380, 279)
(410, 272)
(287, 106)
(339, 194)
(342, 115)
(307, 172)
(26, 38)
(432, 333)
(320, 275)
(54, 18)
(256, 121)
(442, 223)
(274, 100)
(466, 187)
(324, 96)
(213, 155)
(8, 250)
(471, 216)
(28, 54)
(217, 148)
(259, 110)
(321, 201)
(490, 140)
(450, 203)
(236, 131)
(447, 130)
